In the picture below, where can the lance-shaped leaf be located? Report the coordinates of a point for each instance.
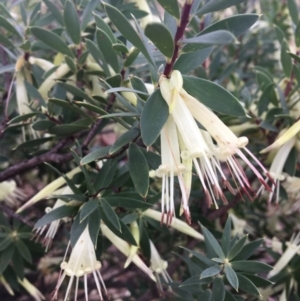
(171, 6)
(218, 37)
(213, 96)
(211, 271)
(52, 40)
(215, 5)
(251, 266)
(105, 45)
(163, 41)
(107, 212)
(72, 22)
(154, 115)
(232, 277)
(218, 290)
(125, 28)
(247, 285)
(88, 208)
(139, 170)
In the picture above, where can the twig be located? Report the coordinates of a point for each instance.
(184, 20)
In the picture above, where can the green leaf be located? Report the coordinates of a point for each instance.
(210, 239)
(249, 249)
(25, 117)
(5, 41)
(191, 60)
(294, 11)
(30, 144)
(229, 297)
(71, 107)
(5, 243)
(125, 233)
(218, 37)
(55, 214)
(77, 229)
(211, 271)
(127, 203)
(52, 40)
(138, 169)
(105, 175)
(55, 12)
(88, 208)
(265, 99)
(131, 57)
(94, 220)
(5, 24)
(18, 265)
(237, 25)
(101, 24)
(213, 96)
(67, 129)
(171, 6)
(120, 48)
(129, 136)
(163, 41)
(71, 64)
(291, 162)
(95, 155)
(5, 257)
(251, 266)
(226, 237)
(205, 296)
(91, 107)
(286, 60)
(201, 257)
(218, 290)
(72, 22)
(109, 213)
(215, 5)
(258, 281)
(23, 250)
(297, 35)
(97, 55)
(125, 28)
(43, 125)
(154, 115)
(237, 247)
(105, 46)
(247, 286)
(231, 277)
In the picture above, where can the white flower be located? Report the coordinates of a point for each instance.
(82, 262)
(31, 289)
(159, 267)
(49, 189)
(199, 146)
(10, 193)
(175, 223)
(171, 167)
(293, 248)
(55, 224)
(6, 285)
(124, 247)
(276, 169)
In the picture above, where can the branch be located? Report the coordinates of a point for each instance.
(19, 217)
(53, 156)
(184, 21)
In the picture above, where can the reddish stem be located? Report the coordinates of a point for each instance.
(184, 21)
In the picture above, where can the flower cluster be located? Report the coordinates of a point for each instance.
(184, 144)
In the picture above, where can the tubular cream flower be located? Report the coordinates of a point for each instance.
(82, 262)
(124, 248)
(31, 289)
(293, 248)
(55, 224)
(199, 145)
(175, 223)
(6, 285)
(171, 167)
(276, 169)
(49, 189)
(133, 249)
(159, 267)
(10, 193)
